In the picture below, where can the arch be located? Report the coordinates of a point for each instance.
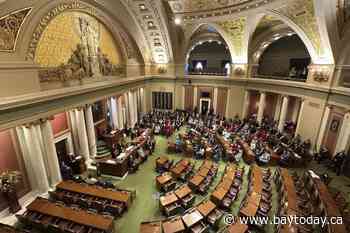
(302, 35)
(218, 29)
(41, 17)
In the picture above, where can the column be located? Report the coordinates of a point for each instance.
(73, 122)
(298, 121)
(127, 109)
(245, 104)
(131, 109)
(120, 113)
(113, 111)
(283, 115)
(195, 90)
(51, 153)
(344, 134)
(33, 158)
(278, 108)
(136, 109)
(90, 130)
(215, 99)
(296, 109)
(323, 127)
(261, 109)
(82, 135)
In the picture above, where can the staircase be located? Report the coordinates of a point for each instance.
(102, 150)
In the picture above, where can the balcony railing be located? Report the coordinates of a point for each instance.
(286, 78)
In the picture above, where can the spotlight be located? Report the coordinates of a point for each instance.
(177, 21)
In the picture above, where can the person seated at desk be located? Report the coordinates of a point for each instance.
(200, 152)
(285, 157)
(157, 129)
(238, 155)
(264, 158)
(66, 171)
(338, 162)
(178, 144)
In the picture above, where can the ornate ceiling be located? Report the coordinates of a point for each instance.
(201, 9)
(151, 19)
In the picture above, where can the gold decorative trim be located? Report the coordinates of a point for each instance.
(44, 22)
(27, 11)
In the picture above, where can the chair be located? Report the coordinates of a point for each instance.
(83, 203)
(188, 201)
(53, 228)
(214, 217)
(97, 205)
(114, 210)
(199, 228)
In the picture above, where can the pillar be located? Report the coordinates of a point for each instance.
(82, 134)
(195, 97)
(323, 127)
(278, 108)
(120, 112)
(74, 127)
(127, 109)
(298, 121)
(51, 153)
(261, 109)
(283, 114)
(33, 158)
(344, 134)
(90, 130)
(215, 99)
(246, 104)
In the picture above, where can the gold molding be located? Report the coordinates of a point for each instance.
(50, 15)
(29, 10)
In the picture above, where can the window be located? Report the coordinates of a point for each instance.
(162, 100)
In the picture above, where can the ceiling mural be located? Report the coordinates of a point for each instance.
(302, 13)
(149, 17)
(10, 26)
(235, 29)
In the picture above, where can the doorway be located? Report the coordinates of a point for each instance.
(204, 105)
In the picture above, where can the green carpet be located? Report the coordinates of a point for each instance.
(146, 205)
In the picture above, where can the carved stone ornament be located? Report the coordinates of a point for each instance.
(79, 67)
(44, 22)
(10, 26)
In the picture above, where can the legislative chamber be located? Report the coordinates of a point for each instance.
(174, 116)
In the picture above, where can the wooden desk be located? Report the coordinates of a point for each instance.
(43, 206)
(161, 161)
(174, 225)
(206, 208)
(192, 218)
(331, 207)
(196, 181)
(207, 164)
(238, 228)
(168, 199)
(288, 183)
(183, 191)
(253, 202)
(203, 171)
(124, 197)
(218, 195)
(151, 227)
(163, 179)
(177, 171)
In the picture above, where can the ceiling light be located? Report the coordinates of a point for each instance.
(177, 20)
